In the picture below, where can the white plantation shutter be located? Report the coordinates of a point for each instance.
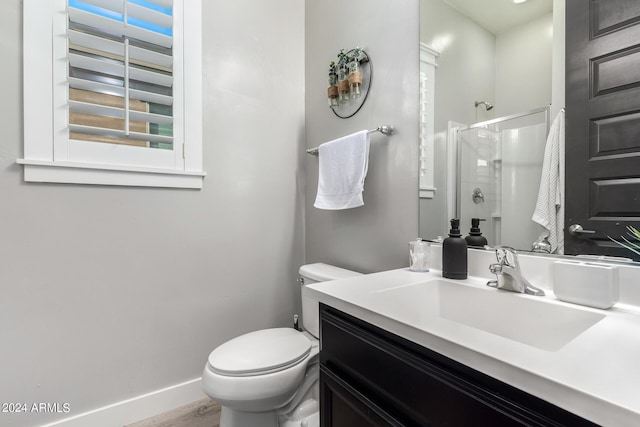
(120, 64)
(427, 100)
(113, 92)
(150, 21)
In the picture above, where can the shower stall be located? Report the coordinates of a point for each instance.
(497, 166)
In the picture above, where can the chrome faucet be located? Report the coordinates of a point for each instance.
(508, 274)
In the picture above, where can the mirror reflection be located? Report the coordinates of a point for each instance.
(486, 88)
(498, 176)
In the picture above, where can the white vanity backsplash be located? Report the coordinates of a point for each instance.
(539, 270)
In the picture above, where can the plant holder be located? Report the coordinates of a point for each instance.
(343, 85)
(354, 78)
(332, 90)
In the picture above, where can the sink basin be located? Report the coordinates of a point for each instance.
(527, 319)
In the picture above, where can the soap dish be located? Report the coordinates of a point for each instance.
(585, 283)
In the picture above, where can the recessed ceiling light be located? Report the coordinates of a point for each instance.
(519, 1)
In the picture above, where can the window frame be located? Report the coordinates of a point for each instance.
(428, 65)
(47, 145)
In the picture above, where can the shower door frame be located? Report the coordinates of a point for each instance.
(458, 163)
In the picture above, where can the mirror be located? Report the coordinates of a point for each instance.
(486, 75)
(483, 63)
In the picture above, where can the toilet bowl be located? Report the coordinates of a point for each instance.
(269, 378)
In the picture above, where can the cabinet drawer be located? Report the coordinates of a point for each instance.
(343, 405)
(419, 387)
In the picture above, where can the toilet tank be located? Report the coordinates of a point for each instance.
(314, 273)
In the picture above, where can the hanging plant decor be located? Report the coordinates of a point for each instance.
(349, 82)
(332, 90)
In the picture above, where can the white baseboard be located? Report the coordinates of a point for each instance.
(138, 408)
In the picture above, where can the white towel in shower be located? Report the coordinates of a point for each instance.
(342, 169)
(549, 211)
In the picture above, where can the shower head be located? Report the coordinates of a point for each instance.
(486, 105)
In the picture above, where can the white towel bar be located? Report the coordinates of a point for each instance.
(387, 130)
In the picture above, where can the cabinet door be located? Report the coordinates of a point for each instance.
(415, 391)
(417, 387)
(343, 406)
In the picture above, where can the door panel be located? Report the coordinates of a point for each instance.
(602, 123)
(610, 15)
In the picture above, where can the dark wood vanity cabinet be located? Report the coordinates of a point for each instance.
(370, 377)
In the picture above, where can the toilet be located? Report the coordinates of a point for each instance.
(269, 378)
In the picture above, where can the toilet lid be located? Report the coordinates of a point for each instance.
(260, 352)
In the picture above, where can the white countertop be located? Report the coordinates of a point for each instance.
(595, 374)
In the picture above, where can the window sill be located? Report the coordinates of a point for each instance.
(84, 173)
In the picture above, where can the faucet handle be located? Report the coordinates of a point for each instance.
(506, 255)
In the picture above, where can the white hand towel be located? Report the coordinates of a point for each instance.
(549, 211)
(342, 169)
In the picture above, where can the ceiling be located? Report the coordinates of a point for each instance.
(498, 16)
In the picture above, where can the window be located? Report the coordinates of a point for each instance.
(112, 92)
(427, 113)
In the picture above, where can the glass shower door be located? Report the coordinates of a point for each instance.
(499, 167)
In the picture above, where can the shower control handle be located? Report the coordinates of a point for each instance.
(477, 196)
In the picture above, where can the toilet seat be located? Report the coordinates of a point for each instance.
(260, 352)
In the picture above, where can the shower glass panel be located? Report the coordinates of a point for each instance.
(499, 167)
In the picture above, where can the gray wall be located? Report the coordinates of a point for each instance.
(523, 67)
(372, 237)
(558, 61)
(108, 293)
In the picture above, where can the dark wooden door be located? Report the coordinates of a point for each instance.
(602, 123)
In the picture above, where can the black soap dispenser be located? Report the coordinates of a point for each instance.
(475, 238)
(454, 253)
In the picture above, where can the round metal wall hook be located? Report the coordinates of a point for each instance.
(351, 109)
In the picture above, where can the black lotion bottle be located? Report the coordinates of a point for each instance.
(454, 253)
(475, 237)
